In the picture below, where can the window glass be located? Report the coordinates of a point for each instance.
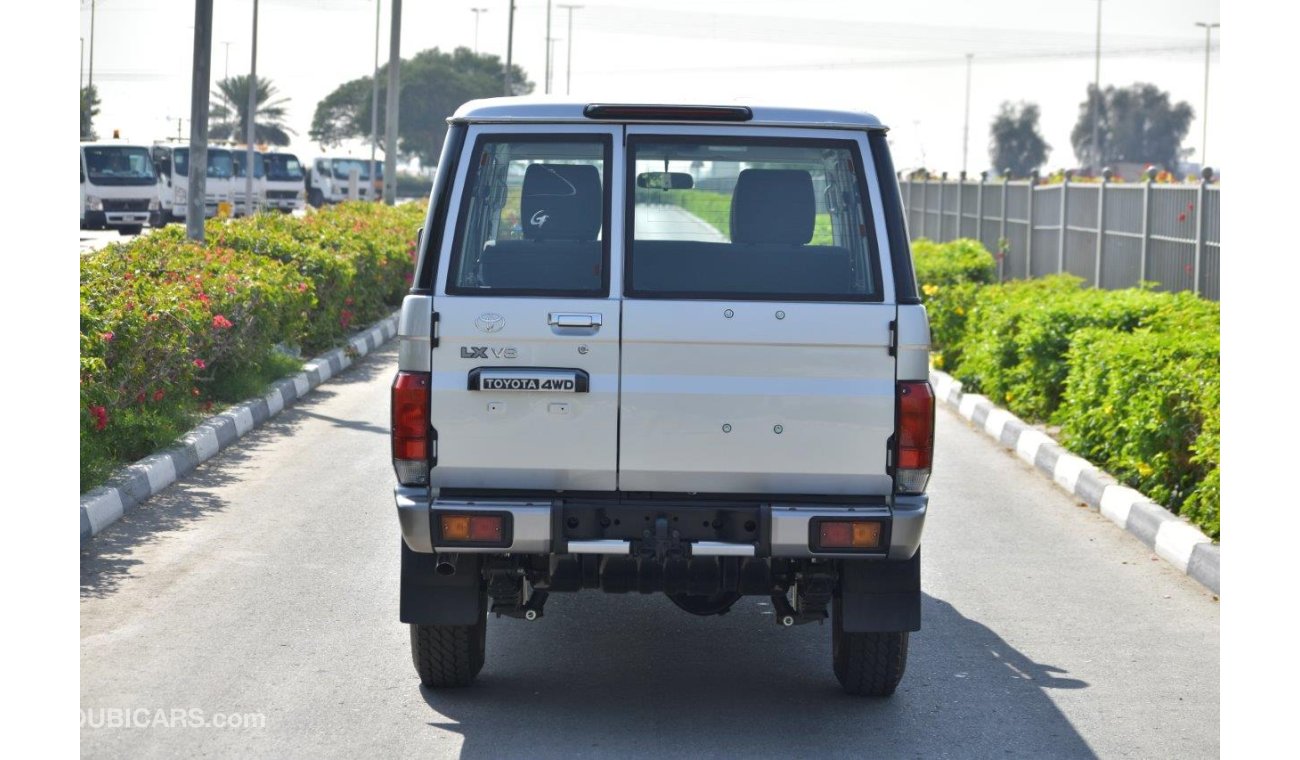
(757, 218)
(533, 219)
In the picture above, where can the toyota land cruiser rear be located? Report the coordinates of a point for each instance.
(663, 349)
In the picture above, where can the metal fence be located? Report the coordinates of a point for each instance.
(1113, 235)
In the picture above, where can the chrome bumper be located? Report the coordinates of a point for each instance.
(531, 522)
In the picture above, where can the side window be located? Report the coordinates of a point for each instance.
(533, 219)
(762, 219)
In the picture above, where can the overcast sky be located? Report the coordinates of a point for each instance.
(904, 62)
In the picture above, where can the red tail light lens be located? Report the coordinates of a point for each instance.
(915, 436)
(411, 431)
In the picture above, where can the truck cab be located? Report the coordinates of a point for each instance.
(238, 182)
(664, 349)
(285, 190)
(119, 187)
(172, 163)
(330, 180)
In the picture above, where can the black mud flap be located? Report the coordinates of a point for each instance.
(881, 597)
(432, 599)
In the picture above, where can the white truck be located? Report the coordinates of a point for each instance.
(663, 349)
(285, 188)
(119, 187)
(330, 180)
(171, 161)
(239, 190)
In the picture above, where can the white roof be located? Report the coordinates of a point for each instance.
(553, 109)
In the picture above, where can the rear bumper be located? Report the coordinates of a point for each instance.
(612, 527)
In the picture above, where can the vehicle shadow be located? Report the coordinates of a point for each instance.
(665, 684)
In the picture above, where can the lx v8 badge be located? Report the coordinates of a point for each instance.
(487, 352)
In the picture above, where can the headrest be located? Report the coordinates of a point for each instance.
(773, 206)
(561, 202)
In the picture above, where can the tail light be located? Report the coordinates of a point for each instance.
(915, 436)
(412, 435)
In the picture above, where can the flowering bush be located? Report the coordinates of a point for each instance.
(950, 275)
(168, 326)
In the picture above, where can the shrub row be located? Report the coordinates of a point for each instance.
(169, 327)
(1131, 377)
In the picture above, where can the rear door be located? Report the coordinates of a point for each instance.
(756, 316)
(525, 374)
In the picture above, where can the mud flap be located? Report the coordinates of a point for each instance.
(881, 596)
(432, 599)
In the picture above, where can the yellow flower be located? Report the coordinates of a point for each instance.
(929, 289)
(960, 311)
(1144, 469)
(1010, 398)
(938, 360)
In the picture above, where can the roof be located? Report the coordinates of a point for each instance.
(552, 109)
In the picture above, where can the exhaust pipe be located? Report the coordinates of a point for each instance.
(446, 564)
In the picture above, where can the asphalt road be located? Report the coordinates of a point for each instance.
(263, 590)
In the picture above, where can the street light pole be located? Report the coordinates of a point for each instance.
(249, 164)
(199, 89)
(1205, 110)
(547, 89)
(965, 130)
(374, 104)
(90, 82)
(477, 12)
(510, 45)
(226, 75)
(390, 112)
(1096, 102)
(568, 60)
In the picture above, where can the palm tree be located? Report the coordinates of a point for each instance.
(229, 118)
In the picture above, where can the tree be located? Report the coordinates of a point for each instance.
(1014, 140)
(89, 110)
(229, 112)
(1137, 124)
(433, 85)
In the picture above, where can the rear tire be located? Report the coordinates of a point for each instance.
(866, 664)
(130, 229)
(316, 198)
(448, 656)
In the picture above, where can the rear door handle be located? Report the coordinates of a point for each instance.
(558, 319)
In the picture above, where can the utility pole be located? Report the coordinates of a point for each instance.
(374, 105)
(1205, 110)
(510, 46)
(81, 67)
(568, 60)
(547, 89)
(91, 81)
(1096, 103)
(202, 74)
(249, 164)
(226, 75)
(965, 130)
(477, 12)
(390, 113)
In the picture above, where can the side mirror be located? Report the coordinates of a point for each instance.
(665, 181)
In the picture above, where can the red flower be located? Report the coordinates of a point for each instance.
(195, 392)
(153, 317)
(302, 287)
(205, 298)
(200, 364)
(107, 336)
(1182, 217)
(139, 397)
(158, 395)
(345, 318)
(101, 416)
(347, 301)
(221, 323)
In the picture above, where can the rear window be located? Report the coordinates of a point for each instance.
(760, 219)
(533, 218)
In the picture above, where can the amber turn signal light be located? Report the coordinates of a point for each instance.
(846, 534)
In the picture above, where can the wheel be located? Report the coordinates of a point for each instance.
(316, 198)
(449, 655)
(713, 604)
(130, 229)
(867, 664)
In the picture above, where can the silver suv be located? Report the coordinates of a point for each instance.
(666, 349)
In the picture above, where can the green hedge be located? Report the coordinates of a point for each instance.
(170, 327)
(1130, 376)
